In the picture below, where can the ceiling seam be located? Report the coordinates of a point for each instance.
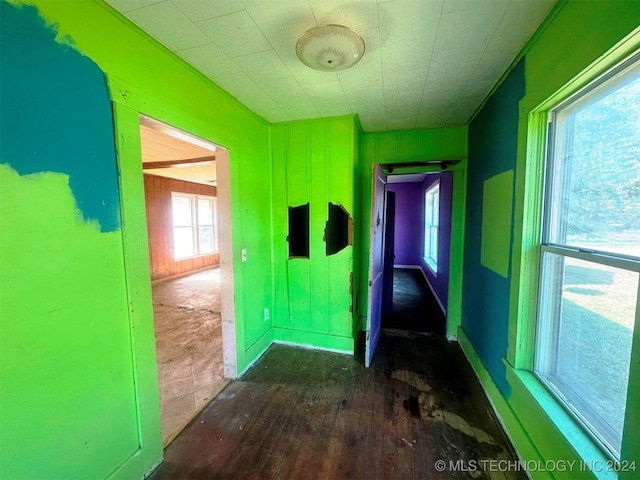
(384, 96)
(464, 89)
(426, 77)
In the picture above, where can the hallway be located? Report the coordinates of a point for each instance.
(415, 307)
(311, 414)
(188, 346)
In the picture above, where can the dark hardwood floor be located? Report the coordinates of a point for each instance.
(309, 414)
(415, 307)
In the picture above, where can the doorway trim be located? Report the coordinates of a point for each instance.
(458, 167)
(127, 108)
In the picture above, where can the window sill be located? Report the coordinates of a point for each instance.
(432, 266)
(590, 455)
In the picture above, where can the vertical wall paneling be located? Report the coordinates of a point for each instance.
(340, 173)
(313, 163)
(159, 225)
(299, 269)
(280, 227)
(317, 132)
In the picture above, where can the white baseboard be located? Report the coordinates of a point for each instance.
(444, 310)
(313, 347)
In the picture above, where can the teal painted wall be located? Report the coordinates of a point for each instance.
(571, 43)
(67, 394)
(75, 296)
(493, 149)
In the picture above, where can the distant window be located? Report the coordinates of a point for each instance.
(194, 227)
(590, 253)
(431, 225)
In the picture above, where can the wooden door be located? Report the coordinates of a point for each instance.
(389, 257)
(376, 262)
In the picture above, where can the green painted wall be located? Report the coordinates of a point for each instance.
(313, 162)
(76, 303)
(568, 48)
(406, 146)
(270, 168)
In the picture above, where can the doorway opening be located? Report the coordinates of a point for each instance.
(419, 206)
(418, 238)
(184, 216)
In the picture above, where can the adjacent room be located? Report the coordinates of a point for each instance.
(181, 208)
(419, 237)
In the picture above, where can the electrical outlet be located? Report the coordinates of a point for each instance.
(244, 254)
(266, 314)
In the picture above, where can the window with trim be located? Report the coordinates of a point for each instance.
(431, 225)
(194, 228)
(590, 252)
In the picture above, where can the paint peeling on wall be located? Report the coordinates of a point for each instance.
(56, 113)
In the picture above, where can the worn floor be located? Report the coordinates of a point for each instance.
(307, 414)
(188, 346)
(415, 308)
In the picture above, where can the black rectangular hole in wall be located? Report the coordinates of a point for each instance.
(339, 230)
(299, 231)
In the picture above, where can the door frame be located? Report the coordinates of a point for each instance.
(127, 108)
(453, 316)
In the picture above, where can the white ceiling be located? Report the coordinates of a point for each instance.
(186, 157)
(428, 63)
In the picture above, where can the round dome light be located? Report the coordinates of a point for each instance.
(330, 48)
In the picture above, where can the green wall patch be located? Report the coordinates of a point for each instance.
(67, 384)
(497, 202)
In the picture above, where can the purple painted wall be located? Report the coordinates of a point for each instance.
(409, 229)
(440, 281)
(409, 223)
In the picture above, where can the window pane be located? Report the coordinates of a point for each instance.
(205, 239)
(182, 211)
(595, 198)
(205, 211)
(436, 205)
(431, 219)
(182, 242)
(433, 252)
(584, 339)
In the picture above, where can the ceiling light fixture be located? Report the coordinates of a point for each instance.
(330, 48)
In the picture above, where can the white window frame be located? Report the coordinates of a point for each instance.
(431, 225)
(196, 224)
(545, 347)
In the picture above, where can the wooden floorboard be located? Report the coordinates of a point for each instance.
(303, 414)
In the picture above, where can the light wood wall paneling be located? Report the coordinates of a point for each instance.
(158, 202)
